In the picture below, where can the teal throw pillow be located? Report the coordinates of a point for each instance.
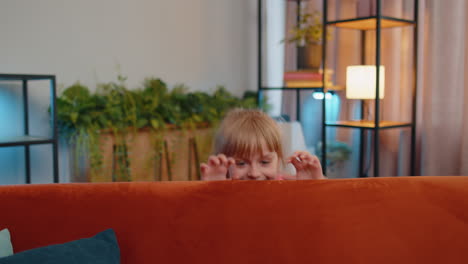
(5, 244)
(100, 249)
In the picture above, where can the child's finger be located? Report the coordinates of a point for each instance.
(300, 152)
(213, 161)
(314, 164)
(223, 159)
(291, 158)
(296, 162)
(315, 161)
(305, 158)
(231, 161)
(203, 168)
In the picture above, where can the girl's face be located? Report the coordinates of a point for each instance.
(261, 166)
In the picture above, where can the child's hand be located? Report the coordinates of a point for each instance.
(216, 168)
(307, 165)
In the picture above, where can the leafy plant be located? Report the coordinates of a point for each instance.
(337, 152)
(308, 30)
(82, 116)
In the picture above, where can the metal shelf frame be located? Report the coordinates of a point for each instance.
(27, 140)
(379, 25)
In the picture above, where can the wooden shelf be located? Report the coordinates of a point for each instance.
(335, 88)
(368, 124)
(368, 23)
(318, 89)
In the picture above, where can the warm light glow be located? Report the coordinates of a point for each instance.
(360, 82)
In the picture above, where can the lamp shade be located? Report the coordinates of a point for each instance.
(361, 80)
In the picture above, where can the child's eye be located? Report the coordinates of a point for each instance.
(265, 162)
(240, 163)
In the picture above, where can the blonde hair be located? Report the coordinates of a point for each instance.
(244, 132)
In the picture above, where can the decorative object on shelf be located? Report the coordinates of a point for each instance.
(303, 75)
(307, 35)
(112, 125)
(307, 78)
(361, 82)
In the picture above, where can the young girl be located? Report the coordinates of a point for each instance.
(248, 147)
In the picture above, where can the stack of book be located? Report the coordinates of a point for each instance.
(307, 78)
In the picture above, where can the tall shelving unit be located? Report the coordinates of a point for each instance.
(377, 23)
(26, 140)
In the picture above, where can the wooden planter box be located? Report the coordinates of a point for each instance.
(177, 159)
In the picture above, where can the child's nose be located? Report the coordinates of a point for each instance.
(254, 173)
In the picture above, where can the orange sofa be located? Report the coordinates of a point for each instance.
(376, 220)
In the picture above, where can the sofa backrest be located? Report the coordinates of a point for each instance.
(377, 220)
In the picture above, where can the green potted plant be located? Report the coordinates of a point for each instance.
(307, 35)
(337, 154)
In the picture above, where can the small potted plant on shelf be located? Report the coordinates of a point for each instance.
(307, 34)
(337, 154)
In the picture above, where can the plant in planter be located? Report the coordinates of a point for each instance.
(79, 118)
(82, 118)
(337, 154)
(108, 121)
(307, 34)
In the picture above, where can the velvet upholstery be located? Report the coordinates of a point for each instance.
(99, 249)
(377, 220)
